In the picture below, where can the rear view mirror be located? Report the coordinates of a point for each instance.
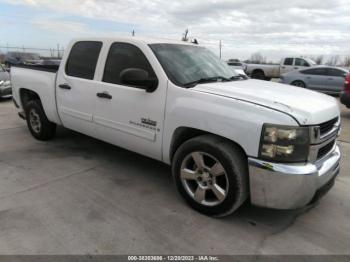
(139, 78)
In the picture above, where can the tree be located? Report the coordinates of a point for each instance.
(347, 61)
(257, 58)
(333, 60)
(318, 59)
(185, 36)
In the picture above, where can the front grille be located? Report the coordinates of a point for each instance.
(327, 126)
(325, 149)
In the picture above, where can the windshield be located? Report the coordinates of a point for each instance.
(186, 64)
(311, 62)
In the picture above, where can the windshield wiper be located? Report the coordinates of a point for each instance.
(207, 80)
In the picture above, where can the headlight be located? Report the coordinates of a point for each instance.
(5, 83)
(284, 143)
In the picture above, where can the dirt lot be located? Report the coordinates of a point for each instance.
(77, 195)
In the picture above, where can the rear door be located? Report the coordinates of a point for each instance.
(316, 78)
(335, 80)
(128, 116)
(287, 65)
(76, 87)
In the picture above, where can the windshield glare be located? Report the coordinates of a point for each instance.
(187, 63)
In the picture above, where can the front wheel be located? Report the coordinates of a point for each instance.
(211, 175)
(39, 126)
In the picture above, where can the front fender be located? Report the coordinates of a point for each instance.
(238, 121)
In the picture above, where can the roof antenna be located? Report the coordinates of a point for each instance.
(133, 33)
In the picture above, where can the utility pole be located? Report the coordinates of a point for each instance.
(220, 46)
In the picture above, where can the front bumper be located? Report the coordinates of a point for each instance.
(290, 186)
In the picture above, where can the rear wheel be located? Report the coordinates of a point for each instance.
(211, 175)
(299, 83)
(39, 126)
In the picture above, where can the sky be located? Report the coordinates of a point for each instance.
(275, 28)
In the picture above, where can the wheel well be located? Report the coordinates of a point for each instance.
(27, 95)
(258, 71)
(182, 134)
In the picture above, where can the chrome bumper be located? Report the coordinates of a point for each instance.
(289, 186)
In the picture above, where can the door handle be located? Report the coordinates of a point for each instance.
(104, 95)
(296, 67)
(330, 78)
(283, 67)
(65, 86)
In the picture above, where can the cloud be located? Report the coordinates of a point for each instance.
(244, 26)
(59, 26)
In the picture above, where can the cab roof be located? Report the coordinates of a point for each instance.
(145, 40)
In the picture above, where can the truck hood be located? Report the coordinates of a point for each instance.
(307, 107)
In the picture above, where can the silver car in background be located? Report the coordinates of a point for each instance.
(5, 85)
(325, 79)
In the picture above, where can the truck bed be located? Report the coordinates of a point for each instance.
(46, 68)
(40, 79)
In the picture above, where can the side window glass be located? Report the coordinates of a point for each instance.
(335, 72)
(315, 71)
(82, 59)
(301, 62)
(288, 61)
(123, 56)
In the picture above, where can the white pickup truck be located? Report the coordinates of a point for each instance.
(288, 64)
(227, 138)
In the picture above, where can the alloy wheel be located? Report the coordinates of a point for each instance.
(204, 178)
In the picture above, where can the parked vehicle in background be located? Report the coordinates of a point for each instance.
(227, 138)
(5, 85)
(237, 65)
(266, 72)
(325, 79)
(23, 58)
(345, 95)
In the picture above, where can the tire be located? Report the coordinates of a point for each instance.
(298, 83)
(258, 75)
(225, 186)
(39, 126)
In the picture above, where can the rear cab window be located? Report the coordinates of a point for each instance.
(83, 59)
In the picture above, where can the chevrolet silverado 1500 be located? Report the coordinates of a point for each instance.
(227, 138)
(288, 64)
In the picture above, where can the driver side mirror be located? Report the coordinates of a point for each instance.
(139, 78)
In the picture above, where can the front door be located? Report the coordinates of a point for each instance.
(128, 116)
(300, 63)
(76, 88)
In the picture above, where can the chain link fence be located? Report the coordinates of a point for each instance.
(43, 53)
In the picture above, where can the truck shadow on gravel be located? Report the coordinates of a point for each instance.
(144, 169)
